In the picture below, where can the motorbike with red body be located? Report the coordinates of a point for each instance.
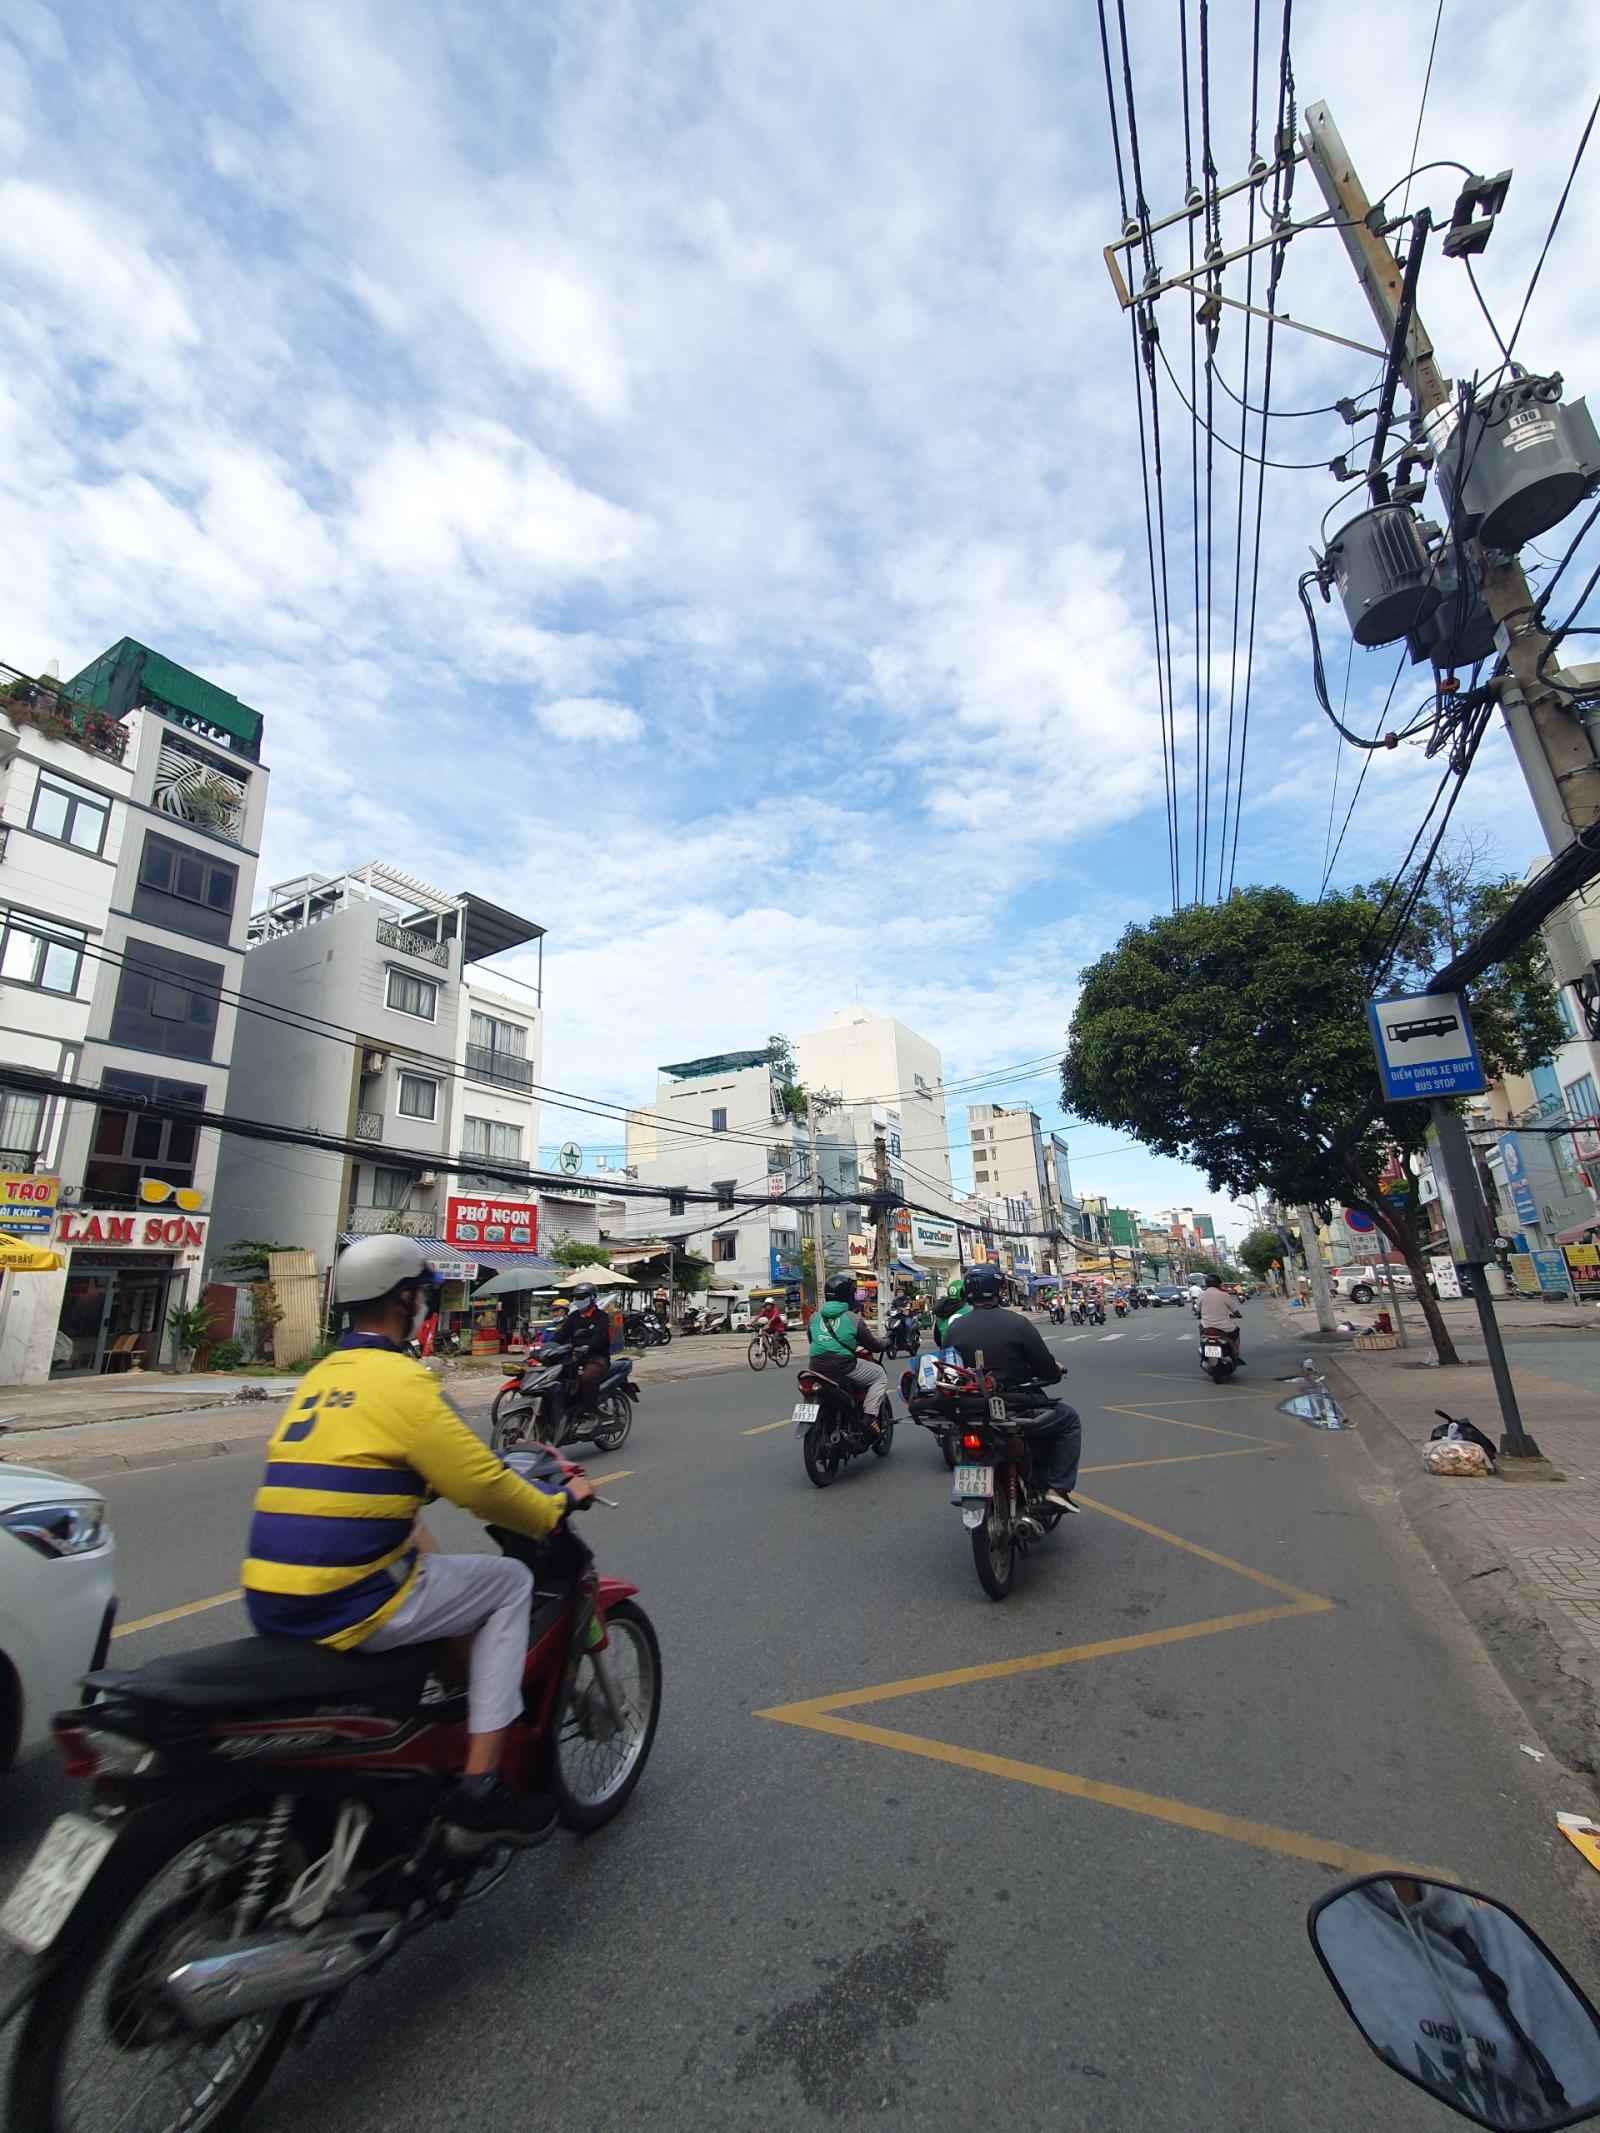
(265, 1826)
(835, 1426)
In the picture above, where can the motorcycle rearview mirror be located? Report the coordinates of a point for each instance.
(1453, 1991)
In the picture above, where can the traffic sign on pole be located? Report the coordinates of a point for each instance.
(1425, 1047)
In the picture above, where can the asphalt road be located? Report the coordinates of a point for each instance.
(1067, 1893)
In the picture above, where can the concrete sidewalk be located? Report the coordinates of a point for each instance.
(105, 1426)
(1520, 1551)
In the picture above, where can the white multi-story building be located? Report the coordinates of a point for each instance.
(1010, 1161)
(376, 1026)
(719, 1125)
(889, 1080)
(130, 817)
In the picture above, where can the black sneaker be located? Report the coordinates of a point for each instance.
(480, 1817)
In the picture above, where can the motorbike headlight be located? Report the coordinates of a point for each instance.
(75, 1528)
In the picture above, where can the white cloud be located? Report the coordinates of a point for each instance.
(590, 718)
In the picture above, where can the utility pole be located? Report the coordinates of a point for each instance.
(1316, 1272)
(818, 1104)
(1552, 747)
(881, 1228)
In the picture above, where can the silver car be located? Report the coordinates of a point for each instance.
(58, 1599)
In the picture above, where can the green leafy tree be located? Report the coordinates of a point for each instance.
(246, 1261)
(566, 1252)
(1258, 1251)
(786, 1077)
(1234, 1036)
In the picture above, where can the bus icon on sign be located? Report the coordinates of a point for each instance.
(1433, 1026)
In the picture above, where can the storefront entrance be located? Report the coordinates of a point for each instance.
(113, 1313)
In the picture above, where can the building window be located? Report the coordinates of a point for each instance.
(38, 952)
(490, 1137)
(409, 995)
(69, 814)
(129, 1146)
(894, 1146)
(980, 1176)
(184, 889)
(21, 1125)
(1569, 1021)
(723, 1188)
(498, 1051)
(719, 1119)
(724, 1246)
(1582, 1099)
(390, 1188)
(419, 1097)
(166, 1002)
(676, 1204)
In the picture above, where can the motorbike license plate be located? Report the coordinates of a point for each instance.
(997, 1408)
(1213, 1353)
(972, 1481)
(805, 1413)
(53, 1880)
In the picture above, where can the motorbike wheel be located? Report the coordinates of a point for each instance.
(882, 1442)
(994, 1549)
(821, 1464)
(509, 1423)
(756, 1353)
(947, 1445)
(615, 1421)
(598, 1763)
(97, 2028)
(663, 1336)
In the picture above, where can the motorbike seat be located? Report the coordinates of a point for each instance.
(251, 1671)
(621, 1368)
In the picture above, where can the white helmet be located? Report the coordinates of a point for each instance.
(372, 1267)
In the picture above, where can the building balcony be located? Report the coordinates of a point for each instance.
(503, 1069)
(411, 942)
(58, 718)
(367, 1221)
(369, 1125)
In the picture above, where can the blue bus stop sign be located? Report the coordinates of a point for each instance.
(1425, 1047)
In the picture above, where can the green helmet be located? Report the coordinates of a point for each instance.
(955, 1289)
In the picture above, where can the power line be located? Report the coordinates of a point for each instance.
(1422, 105)
(1555, 224)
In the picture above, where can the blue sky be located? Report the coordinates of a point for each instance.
(673, 469)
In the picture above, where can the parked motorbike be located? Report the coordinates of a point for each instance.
(544, 1401)
(645, 1329)
(1219, 1356)
(1458, 1995)
(831, 1420)
(265, 1826)
(902, 1334)
(997, 1482)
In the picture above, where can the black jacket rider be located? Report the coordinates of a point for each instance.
(1013, 1347)
(587, 1333)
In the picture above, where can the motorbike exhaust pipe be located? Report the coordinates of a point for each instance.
(256, 1977)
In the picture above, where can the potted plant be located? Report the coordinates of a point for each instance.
(190, 1327)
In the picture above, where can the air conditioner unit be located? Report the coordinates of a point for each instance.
(427, 1177)
(374, 1062)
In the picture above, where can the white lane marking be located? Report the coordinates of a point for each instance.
(1111, 1336)
(1071, 1337)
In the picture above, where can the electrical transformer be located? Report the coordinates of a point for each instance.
(1460, 631)
(1519, 463)
(1385, 575)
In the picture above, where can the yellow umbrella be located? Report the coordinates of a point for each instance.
(603, 1277)
(17, 1256)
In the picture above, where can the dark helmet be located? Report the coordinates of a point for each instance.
(840, 1289)
(984, 1284)
(583, 1296)
(1213, 1281)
